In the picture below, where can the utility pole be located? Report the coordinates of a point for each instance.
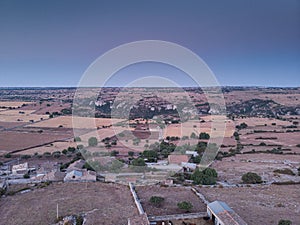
(57, 211)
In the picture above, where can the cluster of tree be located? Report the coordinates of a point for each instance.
(242, 126)
(207, 176)
(202, 135)
(172, 138)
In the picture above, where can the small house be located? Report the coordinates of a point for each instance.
(221, 214)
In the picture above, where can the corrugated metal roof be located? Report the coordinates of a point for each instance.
(77, 173)
(219, 206)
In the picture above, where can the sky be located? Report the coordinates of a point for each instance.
(245, 43)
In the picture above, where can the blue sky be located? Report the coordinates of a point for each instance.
(51, 43)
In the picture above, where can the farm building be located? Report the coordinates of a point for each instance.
(80, 175)
(222, 214)
(20, 169)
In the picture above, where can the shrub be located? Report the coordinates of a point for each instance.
(156, 201)
(76, 139)
(242, 126)
(193, 136)
(65, 151)
(2, 191)
(284, 222)
(7, 155)
(93, 141)
(114, 153)
(186, 206)
(26, 176)
(251, 178)
(284, 171)
(25, 156)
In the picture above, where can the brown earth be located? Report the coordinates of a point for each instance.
(172, 196)
(262, 204)
(104, 204)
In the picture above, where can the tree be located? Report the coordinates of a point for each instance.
(7, 155)
(242, 126)
(251, 178)
(193, 136)
(114, 153)
(150, 155)
(130, 153)
(204, 135)
(93, 141)
(284, 222)
(206, 177)
(65, 151)
(76, 139)
(186, 206)
(156, 201)
(138, 162)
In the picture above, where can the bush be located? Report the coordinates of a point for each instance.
(93, 141)
(65, 151)
(25, 156)
(285, 171)
(7, 155)
(76, 139)
(156, 201)
(26, 176)
(242, 126)
(79, 220)
(284, 222)
(193, 136)
(186, 206)
(114, 153)
(251, 178)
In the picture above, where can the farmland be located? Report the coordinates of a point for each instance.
(93, 199)
(259, 133)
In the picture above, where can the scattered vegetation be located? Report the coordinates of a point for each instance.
(186, 206)
(156, 201)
